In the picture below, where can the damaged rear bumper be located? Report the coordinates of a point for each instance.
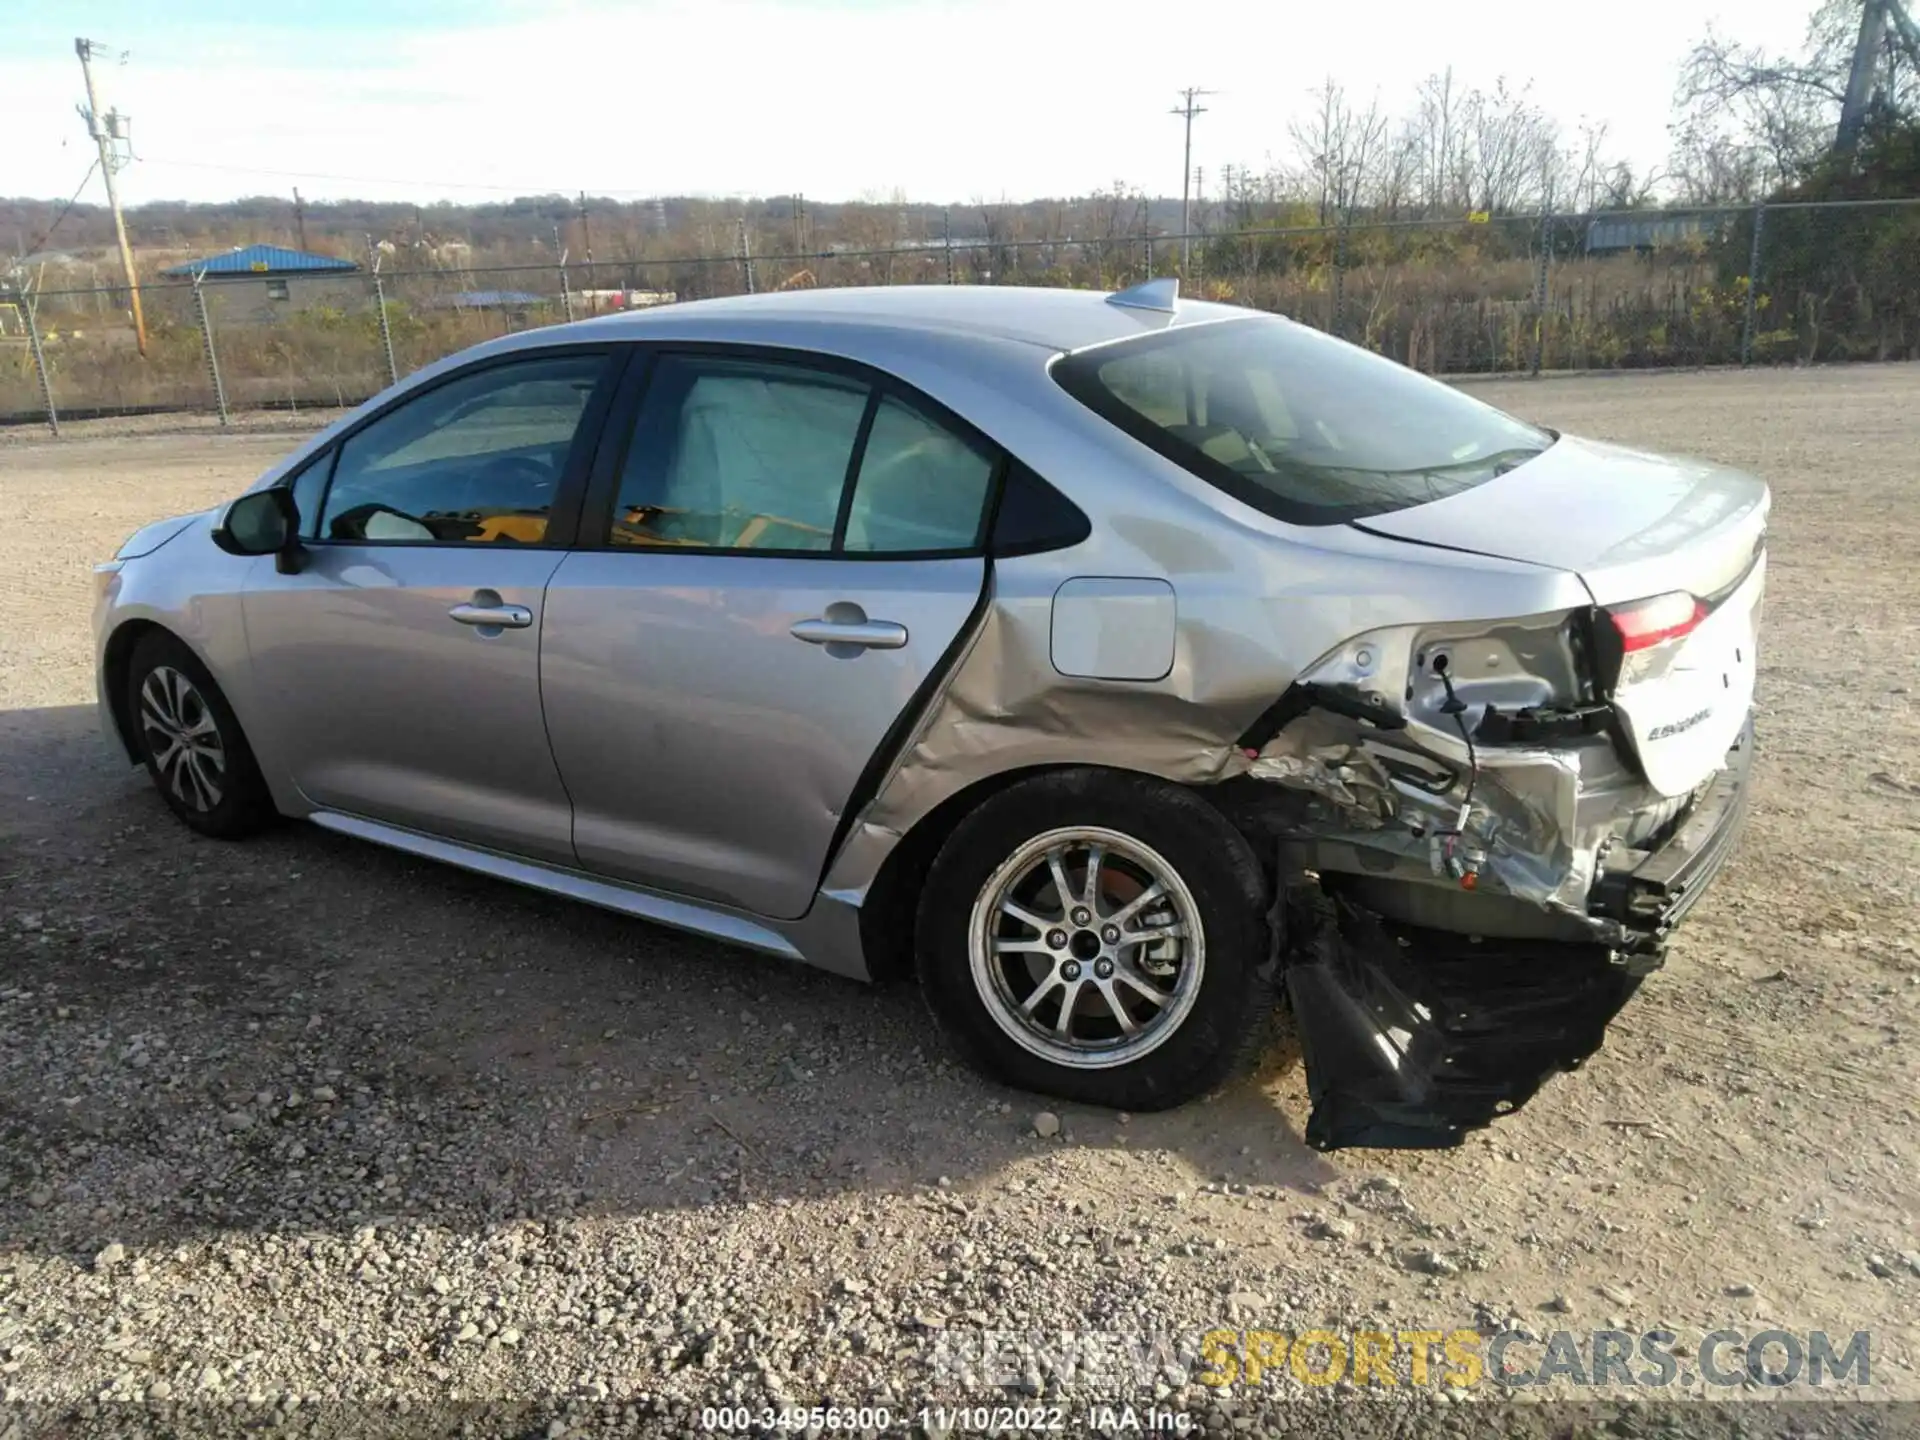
(1649, 892)
(1413, 1036)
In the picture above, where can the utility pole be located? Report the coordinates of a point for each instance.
(799, 214)
(1187, 110)
(1866, 58)
(566, 289)
(105, 129)
(1877, 18)
(586, 246)
(300, 216)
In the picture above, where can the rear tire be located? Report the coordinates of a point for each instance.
(193, 746)
(1142, 987)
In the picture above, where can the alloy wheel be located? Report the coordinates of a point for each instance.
(183, 738)
(1087, 948)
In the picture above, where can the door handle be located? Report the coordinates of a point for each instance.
(868, 634)
(504, 617)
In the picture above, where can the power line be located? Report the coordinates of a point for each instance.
(530, 190)
(47, 234)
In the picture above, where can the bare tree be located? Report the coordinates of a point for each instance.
(1592, 180)
(1711, 168)
(1457, 149)
(1510, 149)
(1000, 222)
(1397, 186)
(1782, 109)
(1434, 132)
(1339, 148)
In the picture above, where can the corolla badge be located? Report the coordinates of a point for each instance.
(1678, 727)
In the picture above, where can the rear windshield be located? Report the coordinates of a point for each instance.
(1305, 427)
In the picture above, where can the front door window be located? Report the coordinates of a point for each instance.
(477, 460)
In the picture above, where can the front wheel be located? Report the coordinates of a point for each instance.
(1099, 937)
(193, 746)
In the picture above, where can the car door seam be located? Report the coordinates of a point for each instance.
(905, 726)
(540, 693)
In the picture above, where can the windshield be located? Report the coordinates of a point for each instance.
(1305, 427)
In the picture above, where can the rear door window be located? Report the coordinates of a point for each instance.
(739, 455)
(1295, 423)
(745, 454)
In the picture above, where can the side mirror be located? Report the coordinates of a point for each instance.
(266, 522)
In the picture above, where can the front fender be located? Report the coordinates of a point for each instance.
(192, 589)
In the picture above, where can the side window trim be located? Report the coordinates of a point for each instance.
(1003, 468)
(1072, 528)
(602, 490)
(326, 489)
(565, 515)
(855, 459)
(622, 422)
(322, 458)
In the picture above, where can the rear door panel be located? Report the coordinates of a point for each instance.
(709, 751)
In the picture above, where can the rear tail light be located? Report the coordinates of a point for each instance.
(1644, 624)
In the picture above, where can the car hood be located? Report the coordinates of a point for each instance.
(149, 538)
(1628, 522)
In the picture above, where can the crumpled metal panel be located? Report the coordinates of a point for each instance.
(1007, 707)
(1523, 832)
(1322, 755)
(1535, 829)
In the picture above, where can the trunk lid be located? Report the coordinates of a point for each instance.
(1630, 524)
(1634, 525)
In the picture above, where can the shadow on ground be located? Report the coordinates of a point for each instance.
(301, 1031)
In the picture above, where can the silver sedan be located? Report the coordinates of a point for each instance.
(1117, 663)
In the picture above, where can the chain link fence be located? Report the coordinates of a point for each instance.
(1798, 283)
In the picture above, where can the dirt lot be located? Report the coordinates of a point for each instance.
(301, 1120)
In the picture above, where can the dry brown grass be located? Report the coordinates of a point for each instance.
(1447, 301)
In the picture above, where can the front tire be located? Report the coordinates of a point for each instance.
(1099, 937)
(193, 746)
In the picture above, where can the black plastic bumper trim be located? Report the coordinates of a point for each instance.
(1656, 894)
(1413, 1038)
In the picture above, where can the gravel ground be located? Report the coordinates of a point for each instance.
(313, 1129)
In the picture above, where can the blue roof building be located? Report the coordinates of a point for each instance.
(262, 260)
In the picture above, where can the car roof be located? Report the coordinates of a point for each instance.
(1053, 318)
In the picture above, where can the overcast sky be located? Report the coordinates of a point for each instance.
(946, 100)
